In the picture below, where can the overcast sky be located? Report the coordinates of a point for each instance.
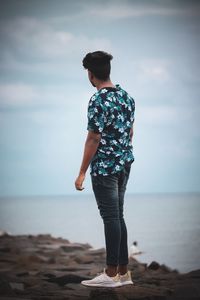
(44, 90)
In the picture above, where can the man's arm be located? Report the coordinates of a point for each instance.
(91, 145)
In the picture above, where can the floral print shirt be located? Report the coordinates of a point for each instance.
(111, 113)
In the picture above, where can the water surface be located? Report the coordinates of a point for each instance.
(166, 226)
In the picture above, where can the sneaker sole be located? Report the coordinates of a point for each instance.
(126, 283)
(102, 284)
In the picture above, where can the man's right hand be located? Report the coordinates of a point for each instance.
(79, 182)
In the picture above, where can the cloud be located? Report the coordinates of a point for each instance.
(108, 10)
(156, 115)
(28, 37)
(17, 94)
(148, 78)
(153, 69)
(32, 47)
(161, 114)
(131, 9)
(35, 38)
(23, 96)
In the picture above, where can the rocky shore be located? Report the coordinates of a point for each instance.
(45, 267)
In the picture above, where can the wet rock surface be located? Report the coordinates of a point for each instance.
(45, 267)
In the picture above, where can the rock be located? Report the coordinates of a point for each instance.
(50, 275)
(104, 294)
(49, 268)
(183, 292)
(194, 274)
(154, 265)
(75, 247)
(84, 259)
(44, 236)
(99, 252)
(5, 249)
(166, 269)
(15, 298)
(5, 287)
(4, 233)
(32, 259)
(33, 273)
(22, 274)
(51, 260)
(17, 286)
(68, 278)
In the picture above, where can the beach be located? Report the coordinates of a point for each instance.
(44, 267)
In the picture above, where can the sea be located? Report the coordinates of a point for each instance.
(165, 226)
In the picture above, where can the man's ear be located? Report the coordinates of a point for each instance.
(90, 75)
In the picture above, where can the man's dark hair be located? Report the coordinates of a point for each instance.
(98, 63)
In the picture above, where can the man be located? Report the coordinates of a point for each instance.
(108, 148)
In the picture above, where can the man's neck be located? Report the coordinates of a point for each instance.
(104, 84)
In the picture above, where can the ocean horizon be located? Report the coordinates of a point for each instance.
(166, 226)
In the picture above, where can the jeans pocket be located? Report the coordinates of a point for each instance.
(97, 180)
(109, 181)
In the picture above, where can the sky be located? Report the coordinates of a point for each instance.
(44, 90)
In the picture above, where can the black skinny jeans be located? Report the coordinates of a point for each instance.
(109, 193)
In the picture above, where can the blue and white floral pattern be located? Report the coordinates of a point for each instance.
(111, 112)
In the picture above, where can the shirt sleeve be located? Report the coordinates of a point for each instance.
(96, 115)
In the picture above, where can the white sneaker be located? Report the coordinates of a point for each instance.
(126, 278)
(103, 280)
